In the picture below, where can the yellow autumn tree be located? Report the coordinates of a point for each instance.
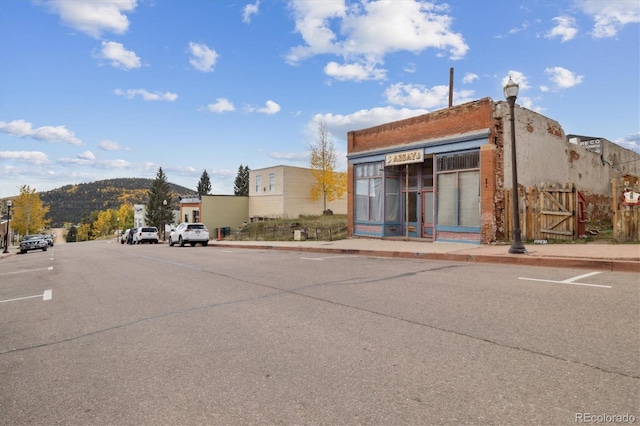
(28, 213)
(103, 224)
(84, 232)
(328, 184)
(125, 216)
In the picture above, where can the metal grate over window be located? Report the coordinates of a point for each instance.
(460, 161)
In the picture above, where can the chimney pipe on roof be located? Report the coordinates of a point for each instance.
(450, 87)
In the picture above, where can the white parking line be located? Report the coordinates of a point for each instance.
(571, 280)
(322, 257)
(50, 268)
(47, 295)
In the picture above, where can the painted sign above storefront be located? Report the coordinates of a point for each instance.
(406, 157)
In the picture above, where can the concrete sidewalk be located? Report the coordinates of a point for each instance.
(610, 257)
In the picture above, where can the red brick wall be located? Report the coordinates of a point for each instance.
(460, 119)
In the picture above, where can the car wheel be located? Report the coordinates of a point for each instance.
(192, 244)
(180, 242)
(23, 251)
(170, 242)
(44, 249)
(204, 244)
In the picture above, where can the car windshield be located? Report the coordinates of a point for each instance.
(32, 237)
(196, 227)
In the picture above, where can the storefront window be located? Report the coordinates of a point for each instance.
(368, 203)
(459, 190)
(427, 173)
(392, 200)
(447, 199)
(469, 184)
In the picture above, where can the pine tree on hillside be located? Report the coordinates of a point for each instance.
(204, 186)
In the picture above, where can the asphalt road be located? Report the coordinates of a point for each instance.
(102, 333)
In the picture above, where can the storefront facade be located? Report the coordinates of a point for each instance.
(422, 178)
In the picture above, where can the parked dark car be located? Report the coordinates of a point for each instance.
(33, 242)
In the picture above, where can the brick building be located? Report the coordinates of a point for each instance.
(441, 176)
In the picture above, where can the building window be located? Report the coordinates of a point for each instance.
(258, 184)
(458, 181)
(272, 182)
(196, 216)
(369, 194)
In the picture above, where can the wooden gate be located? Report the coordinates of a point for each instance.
(549, 211)
(626, 216)
(557, 212)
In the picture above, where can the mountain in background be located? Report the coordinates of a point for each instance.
(73, 203)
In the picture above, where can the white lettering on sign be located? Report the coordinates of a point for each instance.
(407, 157)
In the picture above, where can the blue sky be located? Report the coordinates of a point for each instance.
(99, 89)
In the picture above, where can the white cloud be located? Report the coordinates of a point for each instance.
(94, 17)
(610, 16)
(470, 78)
(23, 129)
(270, 108)
(419, 96)
(147, 96)
(32, 157)
(290, 156)
(563, 78)
(370, 30)
(108, 145)
(202, 57)
(357, 72)
(221, 105)
(338, 125)
(87, 155)
(565, 28)
(249, 10)
(118, 56)
(631, 142)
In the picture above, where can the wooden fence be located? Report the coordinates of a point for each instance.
(556, 212)
(550, 211)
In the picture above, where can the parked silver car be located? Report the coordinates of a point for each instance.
(33, 242)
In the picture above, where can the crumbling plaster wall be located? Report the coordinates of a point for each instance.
(545, 156)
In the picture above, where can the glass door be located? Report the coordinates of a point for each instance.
(427, 214)
(410, 201)
(427, 198)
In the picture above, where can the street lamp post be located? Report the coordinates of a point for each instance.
(6, 235)
(164, 226)
(511, 93)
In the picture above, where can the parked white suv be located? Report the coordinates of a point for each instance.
(146, 234)
(189, 233)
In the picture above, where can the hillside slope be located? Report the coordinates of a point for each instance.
(73, 203)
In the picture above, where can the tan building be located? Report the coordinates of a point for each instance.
(215, 211)
(285, 192)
